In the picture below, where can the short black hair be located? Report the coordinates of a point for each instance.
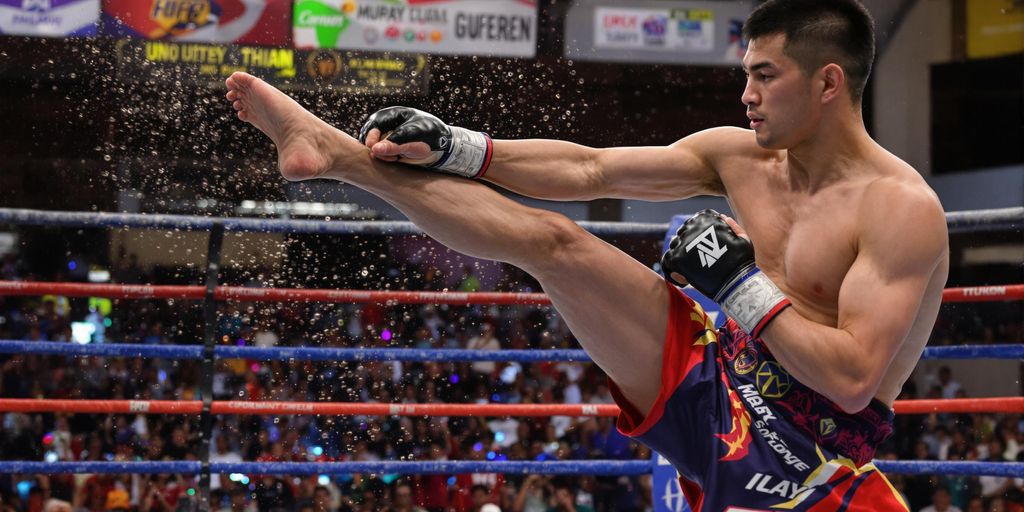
(819, 32)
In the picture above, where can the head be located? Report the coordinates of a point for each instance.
(945, 374)
(804, 56)
(940, 498)
(403, 495)
(975, 504)
(321, 498)
(480, 494)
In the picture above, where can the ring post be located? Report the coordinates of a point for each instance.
(213, 255)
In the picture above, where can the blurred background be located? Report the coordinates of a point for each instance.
(117, 106)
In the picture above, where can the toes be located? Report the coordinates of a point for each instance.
(232, 95)
(237, 104)
(243, 115)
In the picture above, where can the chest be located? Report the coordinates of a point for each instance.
(805, 244)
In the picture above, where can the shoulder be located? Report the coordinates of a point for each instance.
(722, 140)
(900, 215)
(727, 148)
(902, 195)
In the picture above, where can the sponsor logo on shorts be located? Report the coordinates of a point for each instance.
(772, 380)
(768, 484)
(774, 440)
(707, 247)
(745, 361)
(826, 427)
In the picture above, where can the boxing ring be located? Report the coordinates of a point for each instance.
(211, 292)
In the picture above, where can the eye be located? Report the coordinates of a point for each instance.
(765, 78)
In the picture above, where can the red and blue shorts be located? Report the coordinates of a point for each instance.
(746, 436)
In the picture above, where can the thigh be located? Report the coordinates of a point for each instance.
(618, 310)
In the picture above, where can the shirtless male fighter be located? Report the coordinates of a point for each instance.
(832, 285)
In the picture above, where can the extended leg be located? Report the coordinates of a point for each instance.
(616, 306)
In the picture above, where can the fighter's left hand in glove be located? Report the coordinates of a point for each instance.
(417, 138)
(720, 264)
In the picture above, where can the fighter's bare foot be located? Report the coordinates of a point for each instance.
(301, 138)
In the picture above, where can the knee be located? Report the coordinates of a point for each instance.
(559, 243)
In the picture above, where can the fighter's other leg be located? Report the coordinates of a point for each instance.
(615, 306)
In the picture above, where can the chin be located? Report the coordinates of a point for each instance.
(766, 142)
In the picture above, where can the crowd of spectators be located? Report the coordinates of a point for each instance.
(123, 437)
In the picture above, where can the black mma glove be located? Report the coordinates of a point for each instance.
(454, 150)
(720, 264)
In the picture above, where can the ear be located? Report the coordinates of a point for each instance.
(833, 82)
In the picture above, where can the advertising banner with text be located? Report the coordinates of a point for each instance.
(668, 32)
(49, 18)
(256, 22)
(343, 71)
(492, 28)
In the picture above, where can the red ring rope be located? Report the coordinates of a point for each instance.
(958, 405)
(120, 291)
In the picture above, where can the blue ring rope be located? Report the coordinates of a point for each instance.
(974, 352)
(395, 354)
(941, 467)
(963, 221)
(237, 224)
(564, 467)
(970, 221)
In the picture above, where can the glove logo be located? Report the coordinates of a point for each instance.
(443, 142)
(707, 247)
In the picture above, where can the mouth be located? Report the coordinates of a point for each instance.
(755, 122)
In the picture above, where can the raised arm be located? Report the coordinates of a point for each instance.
(551, 169)
(902, 246)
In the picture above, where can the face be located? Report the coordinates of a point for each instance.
(777, 96)
(403, 495)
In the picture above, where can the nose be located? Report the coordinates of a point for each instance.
(750, 95)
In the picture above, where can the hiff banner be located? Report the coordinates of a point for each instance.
(247, 22)
(49, 18)
(492, 28)
(657, 32)
(668, 494)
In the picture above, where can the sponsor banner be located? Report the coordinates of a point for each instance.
(349, 72)
(49, 18)
(247, 22)
(668, 494)
(499, 28)
(994, 28)
(676, 32)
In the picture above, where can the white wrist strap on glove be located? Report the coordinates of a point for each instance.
(469, 154)
(752, 301)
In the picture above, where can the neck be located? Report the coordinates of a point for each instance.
(823, 157)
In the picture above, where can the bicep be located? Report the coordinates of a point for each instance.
(884, 288)
(664, 173)
(878, 309)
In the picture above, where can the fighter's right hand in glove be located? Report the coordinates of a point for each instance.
(407, 135)
(719, 262)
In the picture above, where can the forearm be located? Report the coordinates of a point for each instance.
(826, 359)
(558, 170)
(546, 169)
